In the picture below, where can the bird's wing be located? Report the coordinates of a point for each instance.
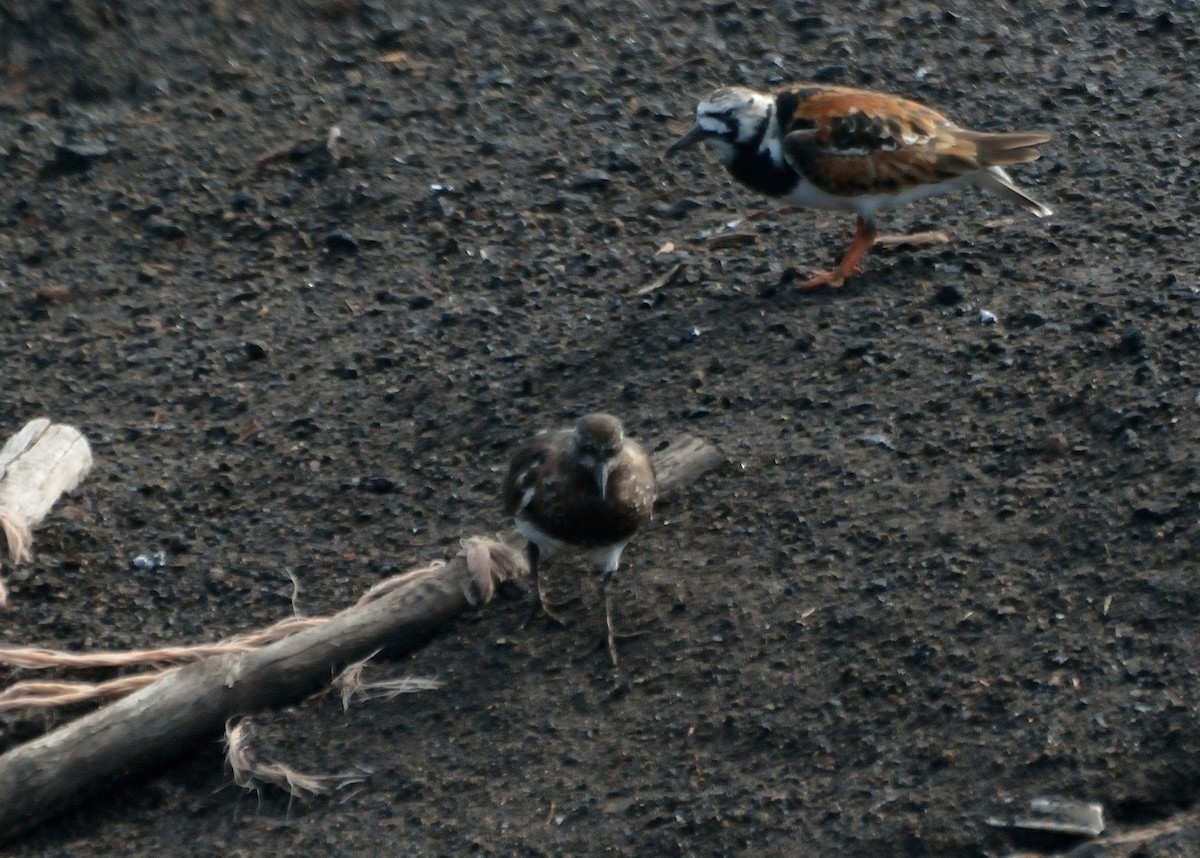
(524, 468)
(851, 142)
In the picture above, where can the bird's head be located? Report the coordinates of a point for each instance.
(597, 442)
(727, 117)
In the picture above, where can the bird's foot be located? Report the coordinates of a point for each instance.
(609, 639)
(833, 279)
(549, 609)
(864, 239)
(914, 239)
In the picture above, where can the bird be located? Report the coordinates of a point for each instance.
(854, 150)
(588, 489)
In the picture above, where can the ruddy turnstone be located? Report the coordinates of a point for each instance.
(588, 489)
(833, 147)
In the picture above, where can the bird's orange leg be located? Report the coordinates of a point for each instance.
(864, 240)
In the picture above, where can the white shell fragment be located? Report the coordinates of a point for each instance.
(1059, 815)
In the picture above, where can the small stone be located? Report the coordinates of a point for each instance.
(377, 485)
(684, 207)
(149, 562)
(621, 161)
(243, 201)
(341, 243)
(1055, 446)
(831, 74)
(1031, 319)
(254, 351)
(160, 227)
(808, 23)
(877, 439)
(1132, 342)
(986, 317)
(948, 296)
(856, 350)
(1057, 815)
(499, 78)
(591, 180)
(71, 158)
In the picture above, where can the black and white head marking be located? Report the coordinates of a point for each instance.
(736, 117)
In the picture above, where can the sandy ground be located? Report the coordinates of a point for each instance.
(948, 567)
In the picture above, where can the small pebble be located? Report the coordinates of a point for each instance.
(70, 158)
(150, 562)
(1132, 342)
(341, 243)
(591, 180)
(160, 227)
(948, 296)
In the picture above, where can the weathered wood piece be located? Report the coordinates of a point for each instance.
(38, 465)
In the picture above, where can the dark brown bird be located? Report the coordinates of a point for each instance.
(587, 489)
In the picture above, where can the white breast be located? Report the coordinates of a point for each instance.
(810, 196)
(547, 544)
(603, 558)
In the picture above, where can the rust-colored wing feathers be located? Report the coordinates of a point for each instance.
(824, 104)
(850, 142)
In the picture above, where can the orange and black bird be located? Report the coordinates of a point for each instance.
(853, 150)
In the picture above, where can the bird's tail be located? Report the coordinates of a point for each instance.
(997, 181)
(998, 150)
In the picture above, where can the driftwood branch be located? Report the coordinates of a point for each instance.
(37, 465)
(192, 704)
(684, 461)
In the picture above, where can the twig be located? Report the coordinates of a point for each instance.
(731, 239)
(297, 150)
(660, 282)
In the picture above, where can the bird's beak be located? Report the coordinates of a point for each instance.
(690, 139)
(601, 475)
